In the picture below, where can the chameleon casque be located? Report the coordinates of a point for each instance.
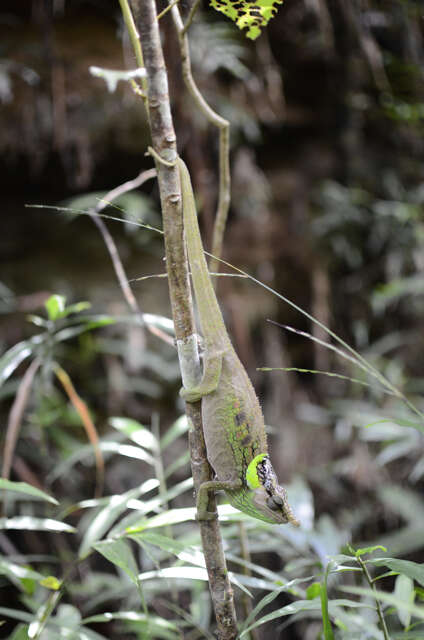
(233, 423)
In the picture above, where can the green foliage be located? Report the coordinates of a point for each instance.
(252, 16)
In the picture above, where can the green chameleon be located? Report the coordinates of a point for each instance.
(233, 423)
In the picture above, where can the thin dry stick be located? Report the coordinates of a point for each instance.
(224, 138)
(122, 277)
(15, 416)
(190, 16)
(164, 142)
(91, 431)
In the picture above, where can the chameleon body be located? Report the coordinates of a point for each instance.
(233, 423)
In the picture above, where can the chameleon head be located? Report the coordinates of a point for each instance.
(268, 498)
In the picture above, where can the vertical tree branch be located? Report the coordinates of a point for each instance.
(164, 143)
(224, 138)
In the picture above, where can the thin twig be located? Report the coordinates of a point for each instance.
(122, 277)
(88, 423)
(190, 16)
(15, 416)
(165, 11)
(132, 32)
(109, 241)
(224, 140)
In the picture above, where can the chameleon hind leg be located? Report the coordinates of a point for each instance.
(203, 496)
(212, 368)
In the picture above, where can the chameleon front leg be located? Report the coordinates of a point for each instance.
(212, 367)
(203, 496)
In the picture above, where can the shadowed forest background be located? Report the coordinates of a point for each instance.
(327, 156)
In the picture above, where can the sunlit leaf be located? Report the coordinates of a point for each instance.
(10, 360)
(366, 550)
(173, 516)
(248, 15)
(156, 626)
(55, 306)
(75, 308)
(51, 582)
(23, 487)
(135, 432)
(35, 524)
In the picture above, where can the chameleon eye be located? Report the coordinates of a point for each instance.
(272, 504)
(278, 500)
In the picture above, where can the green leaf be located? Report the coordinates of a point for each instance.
(23, 487)
(180, 572)
(120, 554)
(15, 355)
(290, 609)
(51, 582)
(22, 577)
(173, 516)
(75, 308)
(20, 633)
(157, 627)
(365, 550)
(182, 551)
(248, 15)
(86, 325)
(117, 504)
(302, 605)
(135, 432)
(35, 524)
(389, 598)
(404, 592)
(16, 614)
(55, 306)
(313, 591)
(413, 570)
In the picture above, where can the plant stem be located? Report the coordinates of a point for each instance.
(224, 137)
(377, 602)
